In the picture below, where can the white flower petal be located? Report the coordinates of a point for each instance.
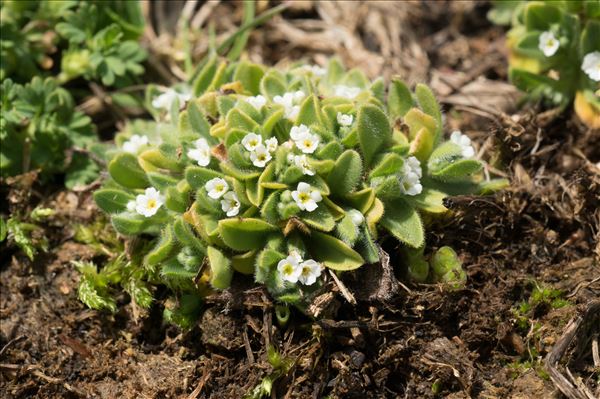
(591, 65)
(216, 187)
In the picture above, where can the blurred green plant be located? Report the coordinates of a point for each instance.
(38, 125)
(278, 174)
(555, 52)
(25, 233)
(93, 39)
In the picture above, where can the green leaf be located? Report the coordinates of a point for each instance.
(197, 176)
(198, 121)
(125, 170)
(112, 200)
(128, 224)
(244, 263)
(205, 77)
(310, 111)
(220, 267)
(89, 295)
(161, 181)
(272, 84)
(320, 219)
(236, 119)
(404, 223)
(249, 75)
(244, 234)
(346, 173)
(540, 16)
(429, 200)
(390, 164)
(374, 132)
(430, 106)
(361, 200)
(458, 170)
(590, 35)
(163, 249)
(333, 253)
(184, 234)
(399, 99)
(346, 230)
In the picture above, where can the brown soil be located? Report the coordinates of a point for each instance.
(424, 341)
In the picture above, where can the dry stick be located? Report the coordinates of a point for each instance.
(569, 386)
(347, 294)
(205, 376)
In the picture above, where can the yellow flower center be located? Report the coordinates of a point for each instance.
(304, 197)
(288, 269)
(219, 187)
(307, 143)
(262, 157)
(253, 143)
(305, 271)
(151, 204)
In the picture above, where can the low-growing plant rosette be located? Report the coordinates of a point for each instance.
(555, 52)
(283, 174)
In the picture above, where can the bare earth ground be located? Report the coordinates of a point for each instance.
(543, 230)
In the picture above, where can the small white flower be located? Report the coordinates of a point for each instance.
(548, 43)
(288, 101)
(344, 119)
(347, 91)
(464, 143)
(271, 144)
(288, 145)
(591, 65)
(308, 144)
(147, 204)
(260, 156)
(357, 217)
(306, 197)
(230, 204)
(201, 152)
(310, 271)
(410, 182)
(134, 143)
(297, 132)
(216, 187)
(289, 268)
(412, 165)
(315, 70)
(257, 101)
(251, 141)
(131, 206)
(166, 99)
(299, 95)
(302, 162)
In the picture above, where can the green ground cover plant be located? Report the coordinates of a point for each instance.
(281, 174)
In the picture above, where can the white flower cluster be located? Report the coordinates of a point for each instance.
(257, 101)
(315, 70)
(344, 119)
(549, 45)
(260, 154)
(201, 152)
(290, 102)
(166, 99)
(147, 204)
(294, 269)
(464, 143)
(134, 143)
(591, 65)
(348, 92)
(218, 188)
(410, 177)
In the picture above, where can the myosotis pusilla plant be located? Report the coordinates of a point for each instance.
(282, 174)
